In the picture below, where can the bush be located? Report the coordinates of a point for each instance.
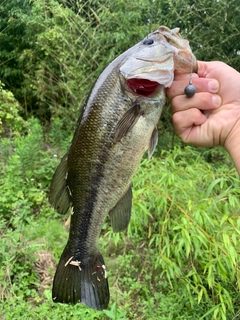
(183, 239)
(26, 171)
(10, 121)
(64, 48)
(189, 210)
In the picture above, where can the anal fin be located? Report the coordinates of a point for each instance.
(120, 214)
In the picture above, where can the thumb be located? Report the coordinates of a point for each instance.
(205, 67)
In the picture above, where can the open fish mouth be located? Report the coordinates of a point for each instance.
(142, 87)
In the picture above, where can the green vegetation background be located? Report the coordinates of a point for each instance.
(179, 258)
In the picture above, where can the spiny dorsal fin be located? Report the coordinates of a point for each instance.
(127, 122)
(59, 196)
(121, 213)
(153, 142)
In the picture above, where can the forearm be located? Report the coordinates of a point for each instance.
(235, 155)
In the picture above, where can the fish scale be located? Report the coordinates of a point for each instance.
(118, 123)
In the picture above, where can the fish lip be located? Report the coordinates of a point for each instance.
(152, 60)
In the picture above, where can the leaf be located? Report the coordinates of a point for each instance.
(212, 185)
(233, 254)
(226, 239)
(200, 294)
(224, 218)
(210, 276)
(222, 270)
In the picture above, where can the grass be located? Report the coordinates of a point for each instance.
(179, 258)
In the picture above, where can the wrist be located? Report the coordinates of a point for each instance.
(232, 145)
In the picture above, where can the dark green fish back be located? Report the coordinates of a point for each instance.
(77, 182)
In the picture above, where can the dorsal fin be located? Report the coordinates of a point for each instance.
(59, 195)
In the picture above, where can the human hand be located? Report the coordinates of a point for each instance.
(212, 116)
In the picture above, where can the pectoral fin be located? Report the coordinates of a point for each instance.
(121, 213)
(127, 122)
(59, 196)
(153, 142)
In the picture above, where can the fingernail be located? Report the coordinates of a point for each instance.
(216, 99)
(213, 86)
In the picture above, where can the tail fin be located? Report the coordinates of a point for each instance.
(81, 281)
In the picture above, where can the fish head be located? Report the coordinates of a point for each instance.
(184, 60)
(152, 61)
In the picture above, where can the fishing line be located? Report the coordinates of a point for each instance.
(190, 89)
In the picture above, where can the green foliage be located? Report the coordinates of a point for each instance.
(178, 260)
(190, 212)
(10, 120)
(211, 27)
(184, 232)
(13, 17)
(181, 242)
(17, 276)
(66, 44)
(26, 171)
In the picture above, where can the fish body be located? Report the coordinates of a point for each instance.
(117, 125)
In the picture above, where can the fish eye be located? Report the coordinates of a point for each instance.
(148, 41)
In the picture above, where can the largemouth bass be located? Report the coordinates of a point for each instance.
(117, 125)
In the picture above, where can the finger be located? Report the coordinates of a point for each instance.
(201, 84)
(185, 121)
(204, 68)
(201, 100)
